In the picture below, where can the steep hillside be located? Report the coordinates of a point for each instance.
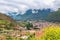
(7, 21)
(5, 17)
(54, 16)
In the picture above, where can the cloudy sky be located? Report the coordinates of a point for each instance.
(23, 5)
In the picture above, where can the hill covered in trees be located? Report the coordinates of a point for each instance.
(54, 16)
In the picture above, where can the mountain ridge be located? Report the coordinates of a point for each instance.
(28, 15)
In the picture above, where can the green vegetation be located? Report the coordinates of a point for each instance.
(32, 37)
(54, 16)
(3, 22)
(7, 32)
(49, 33)
(29, 26)
(22, 24)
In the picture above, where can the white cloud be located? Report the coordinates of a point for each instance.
(23, 5)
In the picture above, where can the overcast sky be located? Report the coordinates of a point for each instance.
(24, 5)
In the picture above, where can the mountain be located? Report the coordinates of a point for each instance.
(5, 17)
(45, 14)
(7, 21)
(54, 16)
(29, 15)
(15, 16)
(40, 15)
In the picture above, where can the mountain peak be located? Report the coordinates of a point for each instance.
(38, 14)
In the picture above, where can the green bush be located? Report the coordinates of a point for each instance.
(32, 37)
(29, 26)
(51, 33)
(9, 38)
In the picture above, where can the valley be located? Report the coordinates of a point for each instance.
(30, 28)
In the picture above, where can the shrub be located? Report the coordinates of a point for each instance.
(32, 37)
(51, 33)
(29, 26)
(9, 38)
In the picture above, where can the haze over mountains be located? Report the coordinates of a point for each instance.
(31, 15)
(45, 14)
(41, 8)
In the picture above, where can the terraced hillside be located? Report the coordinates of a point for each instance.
(7, 22)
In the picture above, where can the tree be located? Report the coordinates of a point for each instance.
(29, 26)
